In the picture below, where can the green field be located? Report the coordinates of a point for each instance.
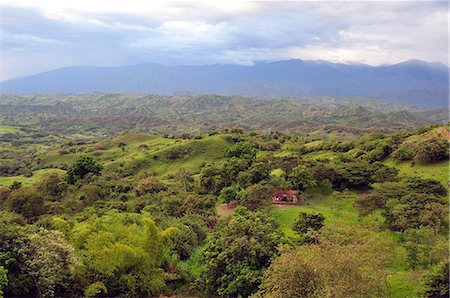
(403, 283)
(8, 129)
(144, 151)
(437, 171)
(28, 181)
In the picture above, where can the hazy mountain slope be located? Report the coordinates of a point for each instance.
(411, 82)
(114, 113)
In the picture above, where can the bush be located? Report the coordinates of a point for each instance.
(27, 202)
(432, 150)
(228, 194)
(301, 178)
(239, 150)
(404, 152)
(150, 185)
(256, 195)
(308, 222)
(435, 283)
(290, 276)
(177, 152)
(83, 166)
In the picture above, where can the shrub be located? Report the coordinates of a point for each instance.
(432, 150)
(150, 185)
(256, 195)
(404, 152)
(177, 152)
(83, 166)
(435, 283)
(308, 222)
(240, 150)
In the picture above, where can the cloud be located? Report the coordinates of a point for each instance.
(46, 34)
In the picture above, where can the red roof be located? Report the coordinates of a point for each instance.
(282, 192)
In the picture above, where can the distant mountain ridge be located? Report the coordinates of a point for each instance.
(412, 82)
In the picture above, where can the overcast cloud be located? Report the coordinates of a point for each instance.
(39, 35)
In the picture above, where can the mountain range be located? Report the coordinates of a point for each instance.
(413, 82)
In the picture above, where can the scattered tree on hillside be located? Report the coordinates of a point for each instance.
(150, 185)
(241, 150)
(308, 222)
(83, 166)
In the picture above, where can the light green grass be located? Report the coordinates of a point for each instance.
(320, 155)
(152, 159)
(283, 154)
(28, 181)
(8, 129)
(277, 172)
(403, 283)
(313, 144)
(438, 171)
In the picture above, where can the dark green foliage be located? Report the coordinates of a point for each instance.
(179, 204)
(308, 222)
(435, 283)
(322, 172)
(258, 171)
(15, 185)
(363, 173)
(83, 166)
(27, 203)
(51, 186)
(233, 166)
(150, 185)
(237, 253)
(177, 152)
(211, 180)
(256, 196)
(12, 238)
(414, 210)
(302, 178)
(3, 279)
(432, 150)
(427, 186)
(228, 194)
(191, 233)
(405, 152)
(241, 150)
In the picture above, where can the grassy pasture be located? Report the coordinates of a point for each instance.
(341, 209)
(28, 181)
(437, 171)
(8, 129)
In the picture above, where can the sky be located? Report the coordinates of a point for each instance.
(40, 35)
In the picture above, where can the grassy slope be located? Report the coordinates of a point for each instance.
(8, 129)
(437, 171)
(342, 210)
(28, 181)
(205, 150)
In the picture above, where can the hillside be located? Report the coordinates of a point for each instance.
(411, 82)
(114, 113)
(98, 199)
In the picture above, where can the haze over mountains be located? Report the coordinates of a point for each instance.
(412, 82)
